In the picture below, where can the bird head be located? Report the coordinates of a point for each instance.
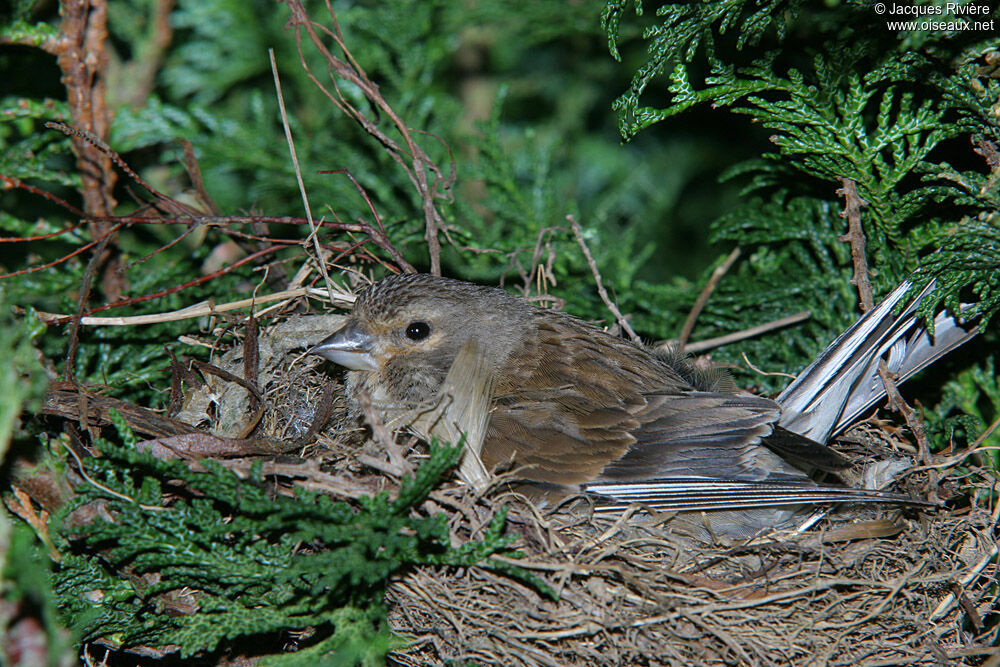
(405, 332)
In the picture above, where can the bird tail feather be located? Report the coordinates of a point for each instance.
(843, 381)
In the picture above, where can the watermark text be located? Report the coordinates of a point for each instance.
(949, 17)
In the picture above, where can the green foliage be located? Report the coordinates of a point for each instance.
(970, 403)
(784, 97)
(22, 375)
(843, 98)
(242, 561)
(26, 583)
(23, 32)
(29, 152)
(683, 28)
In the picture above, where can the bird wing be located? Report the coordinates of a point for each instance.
(698, 434)
(576, 405)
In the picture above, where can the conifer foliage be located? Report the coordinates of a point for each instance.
(144, 170)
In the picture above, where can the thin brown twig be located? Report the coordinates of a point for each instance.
(170, 290)
(40, 237)
(761, 371)
(194, 173)
(84, 295)
(578, 232)
(899, 404)
(180, 237)
(169, 204)
(706, 292)
(378, 235)
(710, 343)
(121, 496)
(540, 274)
(11, 182)
(856, 236)
(64, 258)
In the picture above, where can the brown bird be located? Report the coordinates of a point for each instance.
(575, 409)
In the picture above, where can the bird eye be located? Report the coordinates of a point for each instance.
(418, 330)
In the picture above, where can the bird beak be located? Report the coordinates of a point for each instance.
(350, 346)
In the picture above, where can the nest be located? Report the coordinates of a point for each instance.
(632, 591)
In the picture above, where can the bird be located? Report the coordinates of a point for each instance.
(569, 408)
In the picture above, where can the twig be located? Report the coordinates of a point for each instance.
(708, 344)
(952, 461)
(973, 572)
(539, 273)
(42, 237)
(11, 182)
(88, 279)
(194, 173)
(856, 236)
(171, 290)
(578, 232)
(899, 404)
(121, 496)
(377, 233)
(320, 259)
(171, 205)
(197, 446)
(64, 258)
(197, 310)
(985, 434)
(706, 292)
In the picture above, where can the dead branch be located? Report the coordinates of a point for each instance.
(196, 446)
(63, 400)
